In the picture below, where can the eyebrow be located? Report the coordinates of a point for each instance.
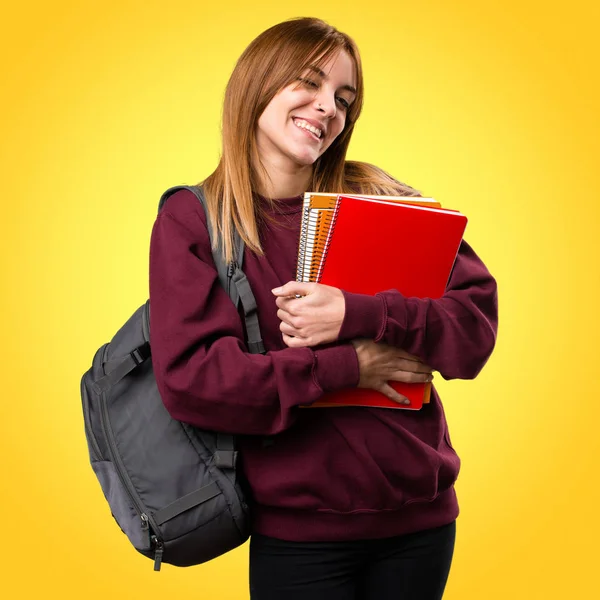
(322, 74)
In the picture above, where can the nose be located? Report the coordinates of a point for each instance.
(325, 103)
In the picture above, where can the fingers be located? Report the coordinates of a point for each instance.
(291, 319)
(293, 326)
(412, 366)
(293, 288)
(392, 394)
(288, 329)
(403, 361)
(410, 377)
(283, 315)
(409, 358)
(391, 352)
(287, 304)
(295, 342)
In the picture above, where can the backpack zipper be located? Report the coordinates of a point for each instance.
(147, 522)
(158, 552)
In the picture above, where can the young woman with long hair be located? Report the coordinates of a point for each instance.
(349, 502)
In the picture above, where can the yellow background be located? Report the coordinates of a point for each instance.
(491, 108)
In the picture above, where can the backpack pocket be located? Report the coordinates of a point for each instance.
(132, 523)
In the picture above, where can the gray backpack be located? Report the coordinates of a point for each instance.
(173, 489)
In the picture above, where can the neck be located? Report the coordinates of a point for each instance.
(285, 181)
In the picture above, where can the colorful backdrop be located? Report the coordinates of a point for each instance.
(491, 108)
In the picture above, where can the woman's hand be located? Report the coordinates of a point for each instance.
(313, 319)
(380, 363)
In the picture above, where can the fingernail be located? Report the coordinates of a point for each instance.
(276, 290)
(406, 401)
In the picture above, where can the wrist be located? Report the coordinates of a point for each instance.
(364, 317)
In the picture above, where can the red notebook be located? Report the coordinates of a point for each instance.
(375, 246)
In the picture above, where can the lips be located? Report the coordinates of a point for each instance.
(314, 123)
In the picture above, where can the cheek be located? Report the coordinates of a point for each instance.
(264, 123)
(336, 128)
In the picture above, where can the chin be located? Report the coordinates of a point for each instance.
(309, 161)
(304, 161)
(305, 158)
(305, 153)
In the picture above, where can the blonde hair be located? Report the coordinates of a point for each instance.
(271, 62)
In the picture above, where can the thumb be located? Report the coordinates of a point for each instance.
(292, 288)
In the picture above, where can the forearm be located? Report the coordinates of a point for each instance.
(224, 388)
(454, 334)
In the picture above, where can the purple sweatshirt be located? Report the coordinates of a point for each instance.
(330, 473)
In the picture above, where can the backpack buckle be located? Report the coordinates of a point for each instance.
(140, 354)
(226, 459)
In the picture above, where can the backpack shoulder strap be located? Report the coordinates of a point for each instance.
(231, 276)
(222, 268)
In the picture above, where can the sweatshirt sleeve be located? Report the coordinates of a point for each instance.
(204, 373)
(454, 334)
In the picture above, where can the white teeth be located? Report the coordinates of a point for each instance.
(305, 125)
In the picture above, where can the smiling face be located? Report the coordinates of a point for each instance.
(304, 118)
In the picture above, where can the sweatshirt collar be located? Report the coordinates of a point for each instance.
(289, 205)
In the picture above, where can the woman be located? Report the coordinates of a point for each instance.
(348, 503)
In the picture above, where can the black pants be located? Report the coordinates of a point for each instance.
(408, 567)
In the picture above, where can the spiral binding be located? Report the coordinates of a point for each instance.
(320, 241)
(313, 227)
(330, 229)
(318, 228)
(303, 239)
(317, 217)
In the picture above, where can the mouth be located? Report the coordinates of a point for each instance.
(315, 132)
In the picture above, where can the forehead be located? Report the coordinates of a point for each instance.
(340, 67)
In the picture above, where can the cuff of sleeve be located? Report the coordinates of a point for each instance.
(336, 368)
(365, 317)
